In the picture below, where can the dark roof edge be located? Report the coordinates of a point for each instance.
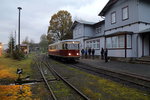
(107, 6)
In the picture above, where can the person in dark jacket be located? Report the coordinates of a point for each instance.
(93, 52)
(89, 52)
(85, 53)
(106, 55)
(102, 53)
(82, 52)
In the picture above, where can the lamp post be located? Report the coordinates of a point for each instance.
(19, 8)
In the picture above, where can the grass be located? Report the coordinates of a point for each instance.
(8, 74)
(98, 88)
(8, 67)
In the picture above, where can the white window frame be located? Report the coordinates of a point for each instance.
(121, 41)
(115, 42)
(125, 13)
(108, 42)
(129, 41)
(94, 44)
(98, 44)
(98, 30)
(113, 17)
(87, 44)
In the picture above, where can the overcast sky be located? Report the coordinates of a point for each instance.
(36, 14)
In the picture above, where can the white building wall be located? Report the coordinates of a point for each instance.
(102, 42)
(131, 28)
(143, 26)
(116, 53)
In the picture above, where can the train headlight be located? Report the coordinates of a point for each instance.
(77, 54)
(69, 54)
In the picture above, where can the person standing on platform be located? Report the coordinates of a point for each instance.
(106, 55)
(85, 53)
(102, 53)
(93, 52)
(89, 52)
(82, 52)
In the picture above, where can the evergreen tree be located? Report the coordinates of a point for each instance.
(11, 45)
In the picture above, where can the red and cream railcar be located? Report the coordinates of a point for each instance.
(66, 49)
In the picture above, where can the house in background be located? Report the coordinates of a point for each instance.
(125, 32)
(35, 47)
(24, 48)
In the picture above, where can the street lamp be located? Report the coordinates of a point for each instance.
(19, 28)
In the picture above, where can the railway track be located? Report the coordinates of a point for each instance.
(140, 82)
(42, 63)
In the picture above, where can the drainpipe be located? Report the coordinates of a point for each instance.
(137, 45)
(149, 45)
(142, 45)
(105, 42)
(125, 45)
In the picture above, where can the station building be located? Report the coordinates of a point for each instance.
(125, 30)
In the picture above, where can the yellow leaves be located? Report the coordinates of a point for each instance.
(14, 92)
(6, 73)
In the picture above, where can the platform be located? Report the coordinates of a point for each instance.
(131, 68)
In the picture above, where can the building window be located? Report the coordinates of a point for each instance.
(87, 44)
(108, 42)
(94, 44)
(113, 17)
(128, 41)
(90, 44)
(125, 13)
(121, 41)
(98, 30)
(98, 44)
(115, 42)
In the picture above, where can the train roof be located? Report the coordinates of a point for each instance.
(64, 41)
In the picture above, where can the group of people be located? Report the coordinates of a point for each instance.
(104, 54)
(88, 52)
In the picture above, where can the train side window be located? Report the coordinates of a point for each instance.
(63, 46)
(66, 46)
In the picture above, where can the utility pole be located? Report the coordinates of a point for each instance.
(19, 28)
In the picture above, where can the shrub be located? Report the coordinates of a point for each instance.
(19, 55)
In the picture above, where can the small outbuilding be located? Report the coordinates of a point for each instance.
(24, 48)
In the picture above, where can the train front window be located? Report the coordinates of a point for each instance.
(73, 46)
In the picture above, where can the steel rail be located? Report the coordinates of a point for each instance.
(65, 81)
(45, 80)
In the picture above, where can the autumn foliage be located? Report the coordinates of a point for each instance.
(15, 92)
(60, 25)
